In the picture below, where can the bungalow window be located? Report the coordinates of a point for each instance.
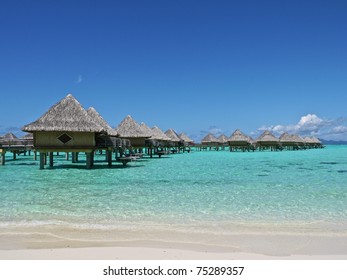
(64, 138)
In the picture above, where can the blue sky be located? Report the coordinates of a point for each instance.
(195, 66)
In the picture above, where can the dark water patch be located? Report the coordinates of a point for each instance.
(329, 162)
(263, 175)
(342, 171)
(23, 163)
(282, 166)
(164, 181)
(305, 168)
(296, 164)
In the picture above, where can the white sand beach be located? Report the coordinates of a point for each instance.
(143, 253)
(247, 247)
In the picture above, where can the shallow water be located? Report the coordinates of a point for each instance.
(212, 191)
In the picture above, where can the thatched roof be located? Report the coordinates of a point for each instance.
(239, 136)
(158, 134)
(290, 138)
(129, 128)
(267, 136)
(185, 138)
(223, 139)
(172, 135)
(146, 129)
(209, 138)
(285, 137)
(9, 136)
(28, 136)
(312, 140)
(298, 138)
(67, 115)
(316, 140)
(100, 120)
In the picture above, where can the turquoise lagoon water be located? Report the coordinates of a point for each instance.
(218, 190)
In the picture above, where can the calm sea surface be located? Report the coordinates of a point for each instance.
(184, 190)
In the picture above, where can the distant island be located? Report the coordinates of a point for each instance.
(332, 142)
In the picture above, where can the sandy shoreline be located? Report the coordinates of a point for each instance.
(146, 243)
(262, 247)
(144, 253)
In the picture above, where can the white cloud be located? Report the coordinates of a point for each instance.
(310, 119)
(311, 124)
(341, 129)
(79, 79)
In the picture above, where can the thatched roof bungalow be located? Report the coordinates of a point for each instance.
(158, 134)
(291, 141)
(130, 129)
(313, 142)
(268, 141)
(9, 139)
(210, 140)
(67, 127)
(223, 139)
(186, 139)
(240, 141)
(150, 142)
(174, 138)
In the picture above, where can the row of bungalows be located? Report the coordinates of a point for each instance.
(11, 143)
(153, 140)
(68, 127)
(239, 141)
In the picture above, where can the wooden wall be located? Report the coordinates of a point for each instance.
(50, 139)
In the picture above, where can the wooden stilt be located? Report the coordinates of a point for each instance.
(51, 159)
(74, 157)
(109, 157)
(106, 156)
(92, 156)
(3, 158)
(35, 155)
(89, 160)
(45, 158)
(42, 160)
(67, 155)
(14, 155)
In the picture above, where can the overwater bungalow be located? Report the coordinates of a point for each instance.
(159, 135)
(223, 141)
(291, 141)
(131, 130)
(312, 142)
(210, 141)
(65, 127)
(11, 143)
(240, 141)
(268, 141)
(187, 141)
(175, 141)
(151, 143)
